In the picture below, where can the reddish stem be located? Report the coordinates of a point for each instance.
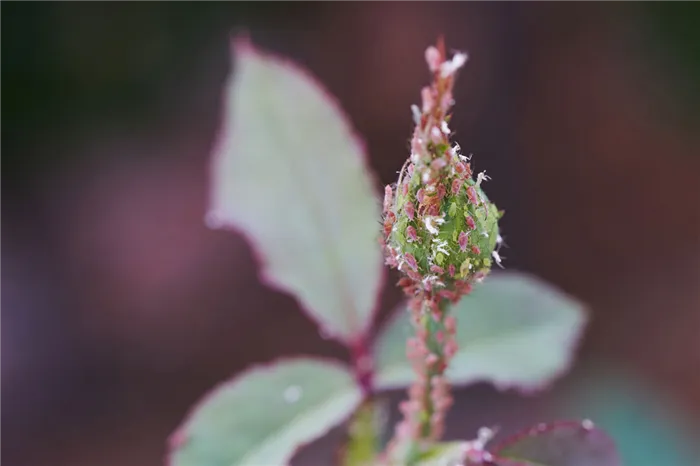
(362, 364)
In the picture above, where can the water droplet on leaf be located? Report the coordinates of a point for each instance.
(292, 394)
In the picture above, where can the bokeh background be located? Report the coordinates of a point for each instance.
(120, 308)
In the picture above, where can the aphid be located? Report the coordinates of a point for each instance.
(456, 186)
(470, 222)
(476, 250)
(411, 261)
(411, 234)
(451, 270)
(388, 195)
(428, 99)
(438, 164)
(433, 210)
(453, 209)
(441, 191)
(465, 267)
(410, 210)
(437, 269)
(389, 221)
(473, 197)
(463, 238)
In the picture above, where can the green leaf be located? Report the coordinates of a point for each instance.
(265, 414)
(289, 173)
(444, 454)
(649, 427)
(513, 330)
(569, 443)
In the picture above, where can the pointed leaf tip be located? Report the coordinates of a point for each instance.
(289, 173)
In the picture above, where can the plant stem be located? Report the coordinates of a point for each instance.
(429, 352)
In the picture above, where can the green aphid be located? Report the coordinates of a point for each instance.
(453, 209)
(464, 268)
(439, 258)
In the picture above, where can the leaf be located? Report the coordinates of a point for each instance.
(265, 414)
(289, 173)
(649, 428)
(444, 454)
(568, 443)
(513, 330)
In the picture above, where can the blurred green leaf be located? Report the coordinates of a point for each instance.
(513, 330)
(444, 454)
(649, 429)
(265, 414)
(290, 174)
(559, 444)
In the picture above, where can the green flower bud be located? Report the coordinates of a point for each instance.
(440, 228)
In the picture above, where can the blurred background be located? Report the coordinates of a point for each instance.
(120, 308)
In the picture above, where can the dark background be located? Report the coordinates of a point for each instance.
(119, 308)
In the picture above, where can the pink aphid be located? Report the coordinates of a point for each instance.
(404, 282)
(439, 337)
(471, 193)
(451, 348)
(464, 287)
(413, 275)
(470, 223)
(456, 185)
(411, 261)
(468, 171)
(411, 234)
(462, 240)
(410, 210)
(446, 101)
(434, 210)
(388, 195)
(459, 167)
(450, 324)
(437, 269)
(428, 99)
(451, 270)
(476, 250)
(438, 163)
(433, 58)
(449, 295)
(422, 334)
(409, 172)
(441, 191)
(420, 195)
(432, 359)
(389, 221)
